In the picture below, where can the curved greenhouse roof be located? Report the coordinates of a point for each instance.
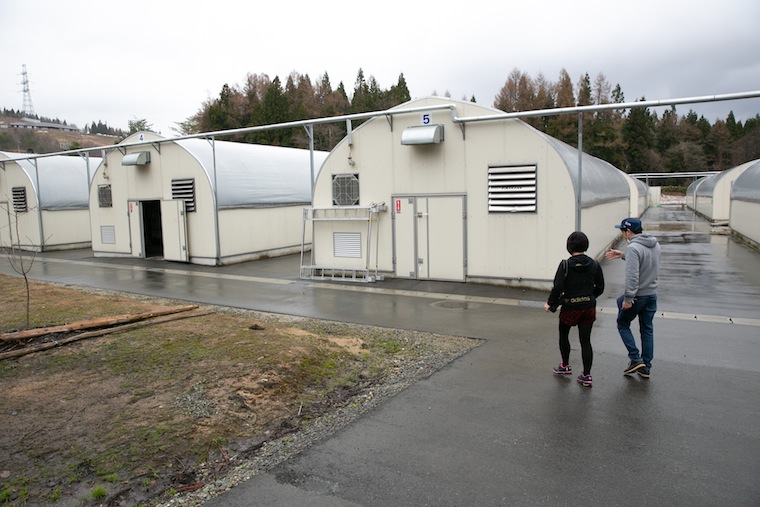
(253, 175)
(747, 185)
(707, 188)
(691, 190)
(602, 181)
(64, 181)
(641, 186)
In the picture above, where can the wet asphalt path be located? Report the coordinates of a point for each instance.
(495, 427)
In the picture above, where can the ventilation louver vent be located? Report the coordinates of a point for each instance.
(184, 189)
(19, 200)
(512, 189)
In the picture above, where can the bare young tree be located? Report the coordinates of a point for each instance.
(20, 261)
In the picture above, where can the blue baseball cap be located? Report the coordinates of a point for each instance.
(630, 224)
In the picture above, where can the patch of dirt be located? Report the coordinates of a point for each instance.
(135, 417)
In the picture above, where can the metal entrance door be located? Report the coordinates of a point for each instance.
(429, 237)
(169, 231)
(134, 210)
(174, 227)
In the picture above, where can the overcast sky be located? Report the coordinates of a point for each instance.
(115, 61)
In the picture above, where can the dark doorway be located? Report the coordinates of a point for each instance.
(153, 236)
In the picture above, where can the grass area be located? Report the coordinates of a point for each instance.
(132, 415)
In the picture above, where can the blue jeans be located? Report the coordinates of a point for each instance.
(644, 307)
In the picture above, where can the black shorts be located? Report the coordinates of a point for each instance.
(575, 317)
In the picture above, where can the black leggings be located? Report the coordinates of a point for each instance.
(584, 334)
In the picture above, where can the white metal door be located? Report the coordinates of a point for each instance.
(404, 234)
(428, 237)
(134, 210)
(174, 230)
(443, 257)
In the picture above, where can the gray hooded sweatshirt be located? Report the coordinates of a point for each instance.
(642, 265)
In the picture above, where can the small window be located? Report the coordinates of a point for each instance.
(512, 189)
(19, 200)
(345, 189)
(184, 190)
(104, 196)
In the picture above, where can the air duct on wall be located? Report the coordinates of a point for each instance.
(138, 158)
(424, 134)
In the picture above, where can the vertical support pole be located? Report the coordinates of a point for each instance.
(310, 132)
(38, 193)
(579, 193)
(216, 208)
(646, 202)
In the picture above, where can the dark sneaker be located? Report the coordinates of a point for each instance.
(584, 380)
(562, 369)
(643, 372)
(633, 367)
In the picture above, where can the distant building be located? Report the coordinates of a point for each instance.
(745, 205)
(710, 197)
(488, 202)
(200, 201)
(31, 123)
(44, 201)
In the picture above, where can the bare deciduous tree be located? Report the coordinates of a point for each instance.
(21, 261)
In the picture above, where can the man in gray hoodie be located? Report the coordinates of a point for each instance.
(639, 299)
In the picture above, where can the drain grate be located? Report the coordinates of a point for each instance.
(461, 305)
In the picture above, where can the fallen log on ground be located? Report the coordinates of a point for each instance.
(89, 324)
(101, 332)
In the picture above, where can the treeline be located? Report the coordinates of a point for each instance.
(103, 129)
(261, 101)
(637, 140)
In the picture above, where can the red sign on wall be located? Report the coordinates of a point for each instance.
(398, 205)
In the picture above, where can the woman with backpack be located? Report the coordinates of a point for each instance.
(577, 284)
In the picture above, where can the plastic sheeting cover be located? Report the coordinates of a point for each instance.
(254, 174)
(602, 181)
(64, 182)
(643, 187)
(747, 185)
(707, 188)
(692, 189)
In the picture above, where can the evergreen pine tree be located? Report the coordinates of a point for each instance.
(639, 138)
(564, 126)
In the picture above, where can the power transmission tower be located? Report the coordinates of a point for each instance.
(28, 107)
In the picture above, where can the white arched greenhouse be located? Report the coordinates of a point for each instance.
(437, 189)
(745, 206)
(199, 200)
(44, 201)
(640, 196)
(710, 197)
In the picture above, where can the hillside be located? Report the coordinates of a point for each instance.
(47, 141)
